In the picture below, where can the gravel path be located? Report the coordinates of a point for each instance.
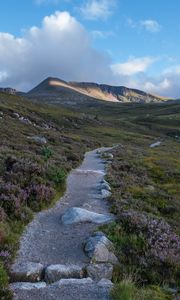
(47, 241)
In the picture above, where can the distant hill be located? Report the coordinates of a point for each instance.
(75, 91)
(8, 90)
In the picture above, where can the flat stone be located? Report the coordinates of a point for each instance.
(26, 272)
(76, 215)
(73, 281)
(99, 271)
(54, 273)
(27, 286)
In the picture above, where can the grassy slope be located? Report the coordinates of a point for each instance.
(40, 169)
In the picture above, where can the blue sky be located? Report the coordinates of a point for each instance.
(125, 42)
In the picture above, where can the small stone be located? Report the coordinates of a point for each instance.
(155, 144)
(99, 271)
(27, 272)
(38, 139)
(54, 273)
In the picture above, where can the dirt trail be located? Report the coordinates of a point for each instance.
(47, 241)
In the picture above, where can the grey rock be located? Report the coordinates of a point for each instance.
(73, 281)
(38, 139)
(25, 120)
(54, 273)
(76, 215)
(99, 271)
(105, 193)
(155, 144)
(100, 249)
(106, 186)
(27, 272)
(16, 115)
(27, 286)
(105, 283)
(113, 259)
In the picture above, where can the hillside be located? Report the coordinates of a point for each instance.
(72, 92)
(39, 146)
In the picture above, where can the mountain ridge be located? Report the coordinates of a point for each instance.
(71, 90)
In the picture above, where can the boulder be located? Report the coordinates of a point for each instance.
(99, 271)
(76, 215)
(27, 286)
(100, 249)
(26, 272)
(54, 273)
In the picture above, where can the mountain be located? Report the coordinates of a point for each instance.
(74, 91)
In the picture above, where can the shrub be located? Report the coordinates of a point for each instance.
(47, 153)
(56, 175)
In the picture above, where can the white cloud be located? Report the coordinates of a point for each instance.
(97, 9)
(61, 47)
(102, 34)
(133, 66)
(151, 25)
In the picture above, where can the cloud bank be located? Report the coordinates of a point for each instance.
(62, 48)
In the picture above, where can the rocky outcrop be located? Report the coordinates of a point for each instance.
(76, 215)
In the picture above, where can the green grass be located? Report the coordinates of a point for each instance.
(127, 290)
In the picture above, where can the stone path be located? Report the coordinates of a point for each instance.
(51, 262)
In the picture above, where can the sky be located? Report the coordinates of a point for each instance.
(135, 43)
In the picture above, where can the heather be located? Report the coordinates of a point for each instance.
(145, 199)
(41, 144)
